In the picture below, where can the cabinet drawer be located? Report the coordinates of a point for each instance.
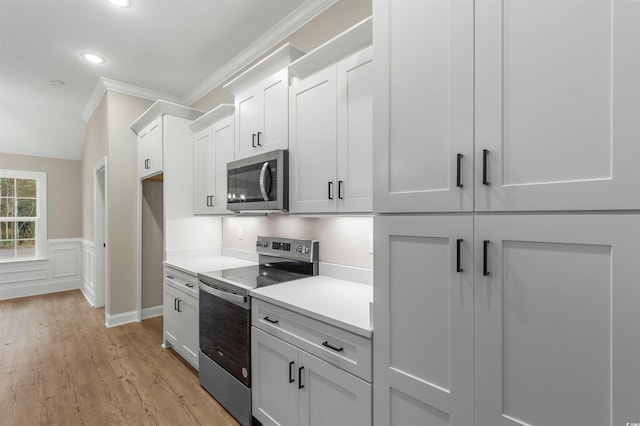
(181, 281)
(338, 347)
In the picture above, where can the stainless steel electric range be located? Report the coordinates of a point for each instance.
(225, 317)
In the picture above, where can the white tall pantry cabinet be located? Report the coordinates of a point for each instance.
(507, 194)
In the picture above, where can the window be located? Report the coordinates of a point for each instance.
(23, 218)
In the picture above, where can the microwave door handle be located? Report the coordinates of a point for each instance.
(263, 174)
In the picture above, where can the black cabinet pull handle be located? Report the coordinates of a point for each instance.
(175, 304)
(330, 190)
(291, 378)
(170, 277)
(485, 249)
(300, 385)
(179, 305)
(330, 346)
(270, 320)
(459, 255)
(485, 157)
(259, 133)
(459, 170)
(340, 184)
(253, 140)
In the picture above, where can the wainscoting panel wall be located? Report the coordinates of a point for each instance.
(61, 271)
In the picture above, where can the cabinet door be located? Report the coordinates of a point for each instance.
(423, 316)
(224, 153)
(312, 161)
(142, 153)
(331, 396)
(556, 320)
(355, 132)
(204, 172)
(153, 148)
(274, 112)
(274, 391)
(171, 317)
(190, 343)
(246, 113)
(557, 104)
(423, 108)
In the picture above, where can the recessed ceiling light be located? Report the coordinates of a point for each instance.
(120, 3)
(92, 57)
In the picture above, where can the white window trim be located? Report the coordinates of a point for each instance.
(41, 208)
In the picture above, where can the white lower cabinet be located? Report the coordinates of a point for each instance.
(293, 387)
(423, 319)
(180, 322)
(539, 328)
(308, 372)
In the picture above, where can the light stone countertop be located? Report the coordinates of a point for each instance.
(343, 304)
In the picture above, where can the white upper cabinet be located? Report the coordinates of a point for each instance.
(423, 108)
(150, 149)
(262, 104)
(557, 105)
(331, 126)
(213, 148)
(161, 124)
(312, 160)
(553, 113)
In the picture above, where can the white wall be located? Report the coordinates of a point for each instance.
(343, 240)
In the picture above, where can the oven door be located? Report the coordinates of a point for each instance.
(225, 320)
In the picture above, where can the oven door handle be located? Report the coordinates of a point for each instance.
(225, 295)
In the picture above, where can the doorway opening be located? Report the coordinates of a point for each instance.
(100, 236)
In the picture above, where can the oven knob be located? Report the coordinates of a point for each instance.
(245, 373)
(306, 249)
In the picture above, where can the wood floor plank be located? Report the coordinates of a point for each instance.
(59, 365)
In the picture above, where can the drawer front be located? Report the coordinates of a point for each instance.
(181, 281)
(338, 347)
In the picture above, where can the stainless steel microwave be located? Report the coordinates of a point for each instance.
(259, 183)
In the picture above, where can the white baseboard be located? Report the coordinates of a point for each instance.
(88, 294)
(24, 289)
(129, 317)
(120, 319)
(152, 312)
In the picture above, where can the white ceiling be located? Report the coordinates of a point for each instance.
(174, 47)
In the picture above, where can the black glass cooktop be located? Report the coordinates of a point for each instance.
(241, 280)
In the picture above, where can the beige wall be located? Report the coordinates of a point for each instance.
(63, 191)
(343, 240)
(95, 148)
(122, 198)
(152, 251)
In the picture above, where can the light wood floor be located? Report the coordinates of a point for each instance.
(59, 365)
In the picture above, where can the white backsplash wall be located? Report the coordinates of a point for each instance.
(343, 240)
(192, 236)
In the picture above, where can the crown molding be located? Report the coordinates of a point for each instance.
(105, 84)
(279, 32)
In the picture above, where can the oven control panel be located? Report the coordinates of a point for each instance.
(306, 250)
